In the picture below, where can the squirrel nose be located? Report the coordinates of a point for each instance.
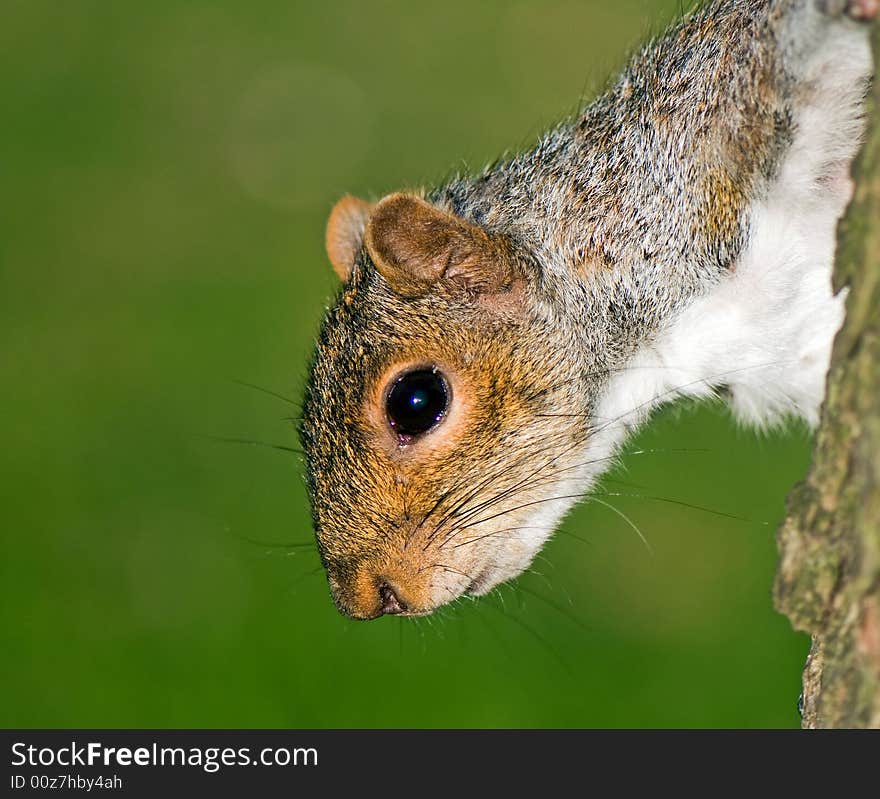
(388, 600)
(370, 592)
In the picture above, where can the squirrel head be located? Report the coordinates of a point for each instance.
(436, 466)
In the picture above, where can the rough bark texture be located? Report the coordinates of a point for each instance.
(828, 581)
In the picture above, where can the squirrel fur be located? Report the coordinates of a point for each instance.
(674, 239)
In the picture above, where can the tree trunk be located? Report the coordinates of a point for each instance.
(828, 581)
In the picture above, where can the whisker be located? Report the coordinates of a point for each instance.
(506, 467)
(301, 578)
(557, 607)
(511, 490)
(626, 518)
(681, 386)
(430, 512)
(575, 537)
(266, 391)
(522, 485)
(278, 544)
(519, 507)
(535, 634)
(543, 576)
(446, 568)
(252, 443)
(683, 504)
(500, 532)
(494, 632)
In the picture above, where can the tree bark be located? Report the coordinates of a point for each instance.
(828, 582)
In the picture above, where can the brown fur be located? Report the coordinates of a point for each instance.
(414, 245)
(345, 233)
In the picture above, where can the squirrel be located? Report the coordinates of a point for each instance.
(496, 338)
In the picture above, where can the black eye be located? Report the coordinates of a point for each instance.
(416, 402)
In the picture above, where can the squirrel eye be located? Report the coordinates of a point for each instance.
(416, 402)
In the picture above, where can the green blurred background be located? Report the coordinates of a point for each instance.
(166, 171)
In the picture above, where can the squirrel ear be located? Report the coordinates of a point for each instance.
(345, 233)
(414, 245)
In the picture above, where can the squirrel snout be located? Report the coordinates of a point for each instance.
(376, 592)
